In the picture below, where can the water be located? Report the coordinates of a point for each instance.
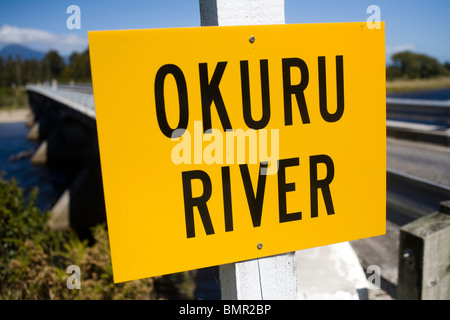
(13, 141)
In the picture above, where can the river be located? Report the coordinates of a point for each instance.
(15, 163)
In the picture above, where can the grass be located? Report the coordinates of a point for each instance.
(405, 85)
(13, 98)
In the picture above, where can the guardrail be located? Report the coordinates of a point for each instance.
(418, 110)
(424, 241)
(414, 197)
(80, 87)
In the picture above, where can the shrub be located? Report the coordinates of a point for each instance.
(34, 259)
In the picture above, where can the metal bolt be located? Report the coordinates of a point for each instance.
(259, 246)
(252, 39)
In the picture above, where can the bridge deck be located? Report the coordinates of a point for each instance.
(74, 97)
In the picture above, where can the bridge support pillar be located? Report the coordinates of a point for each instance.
(33, 134)
(40, 155)
(81, 206)
(59, 219)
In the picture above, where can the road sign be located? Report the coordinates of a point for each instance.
(222, 144)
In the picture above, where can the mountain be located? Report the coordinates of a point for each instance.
(24, 53)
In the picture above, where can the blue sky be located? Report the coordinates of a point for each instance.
(419, 26)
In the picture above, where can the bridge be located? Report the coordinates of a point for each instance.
(65, 126)
(418, 166)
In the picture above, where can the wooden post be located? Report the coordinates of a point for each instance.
(424, 257)
(270, 277)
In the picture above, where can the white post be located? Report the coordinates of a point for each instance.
(241, 12)
(269, 278)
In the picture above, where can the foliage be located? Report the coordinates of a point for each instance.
(53, 64)
(411, 65)
(34, 259)
(18, 72)
(13, 98)
(447, 66)
(25, 244)
(79, 68)
(406, 65)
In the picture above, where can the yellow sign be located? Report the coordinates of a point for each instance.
(223, 144)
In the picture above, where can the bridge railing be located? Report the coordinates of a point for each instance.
(79, 87)
(418, 110)
(76, 97)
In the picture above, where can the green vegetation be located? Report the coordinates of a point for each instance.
(18, 72)
(34, 259)
(409, 65)
(412, 71)
(13, 98)
(15, 73)
(406, 73)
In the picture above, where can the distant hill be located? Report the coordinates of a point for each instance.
(24, 53)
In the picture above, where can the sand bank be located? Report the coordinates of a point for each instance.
(15, 115)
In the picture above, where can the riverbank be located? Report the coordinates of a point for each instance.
(14, 115)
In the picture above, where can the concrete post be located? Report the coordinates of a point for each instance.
(271, 277)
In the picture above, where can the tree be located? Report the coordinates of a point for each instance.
(80, 67)
(392, 73)
(32, 71)
(2, 73)
(9, 71)
(413, 65)
(447, 66)
(53, 65)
